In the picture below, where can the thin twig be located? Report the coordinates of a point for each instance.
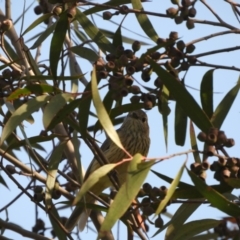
(215, 14)
(215, 52)
(21, 231)
(40, 205)
(212, 23)
(36, 175)
(204, 64)
(236, 31)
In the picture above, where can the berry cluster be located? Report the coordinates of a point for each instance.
(183, 13)
(120, 67)
(152, 196)
(9, 81)
(225, 167)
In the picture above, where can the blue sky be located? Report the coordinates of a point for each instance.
(23, 211)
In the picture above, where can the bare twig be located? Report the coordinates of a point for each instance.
(236, 31)
(21, 231)
(215, 52)
(204, 64)
(212, 23)
(216, 15)
(36, 175)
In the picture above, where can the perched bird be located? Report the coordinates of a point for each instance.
(134, 136)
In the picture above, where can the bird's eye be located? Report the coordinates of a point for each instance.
(144, 119)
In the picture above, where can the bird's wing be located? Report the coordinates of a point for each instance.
(94, 164)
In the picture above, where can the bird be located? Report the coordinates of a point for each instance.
(134, 136)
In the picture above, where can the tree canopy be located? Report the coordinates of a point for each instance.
(72, 68)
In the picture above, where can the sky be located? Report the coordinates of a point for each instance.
(23, 211)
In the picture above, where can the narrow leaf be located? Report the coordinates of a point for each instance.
(94, 33)
(57, 42)
(3, 182)
(84, 109)
(180, 125)
(224, 106)
(169, 180)
(193, 228)
(170, 191)
(63, 112)
(117, 37)
(92, 180)
(58, 230)
(36, 89)
(194, 143)
(178, 219)
(102, 114)
(43, 36)
(127, 192)
(165, 111)
(21, 114)
(85, 53)
(144, 21)
(54, 161)
(206, 93)
(215, 198)
(184, 98)
(37, 22)
(53, 107)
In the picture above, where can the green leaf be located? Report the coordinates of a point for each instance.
(10, 50)
(34, 141)
(117, 37)
(224, 106)
(180, 125)
(193, 228)
(170, 191)
(143, 20)
(48, 77)
(44, 35)
(206, 93)
(178, 219)
(36, 89)
(125, 39)
(165, 111)
(76, 145)
(3, 182)
(233, 182)
(137, 173)
(102, 8)
(93, 32)
(86, 53)
(32, 62)
(194, 144)
(21, 114)
(215, 198)
(184, 98)
(102, 114)
(53, 107)
(169, 180)
(108, 101)
(54, 161)
(37, 22)
(58, 230)
(57, 42)
(62, 113)
(92, 180)
(84, 109)
(206, 236)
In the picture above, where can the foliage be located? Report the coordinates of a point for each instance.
(28, 86)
